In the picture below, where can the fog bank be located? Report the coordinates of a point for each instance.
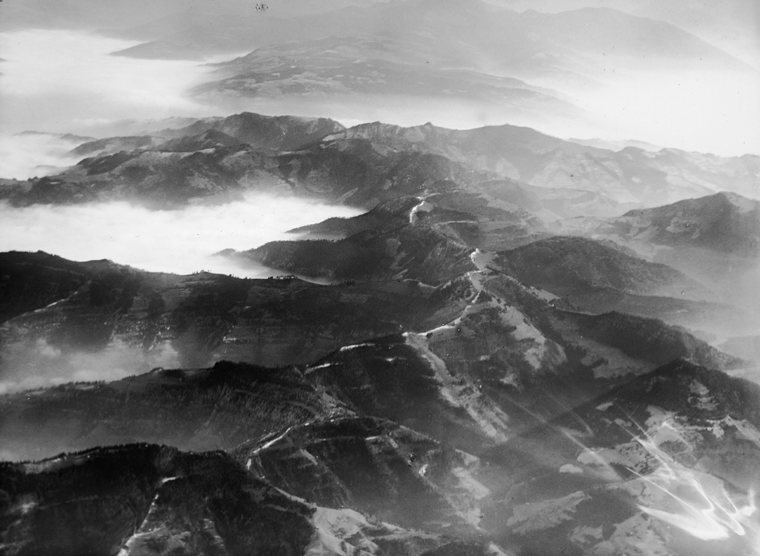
(178, 241)
(27, 155)
(37, 364)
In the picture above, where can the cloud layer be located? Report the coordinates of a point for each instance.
(37, 364)
(179, 241)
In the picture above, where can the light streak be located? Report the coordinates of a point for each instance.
(695, 502)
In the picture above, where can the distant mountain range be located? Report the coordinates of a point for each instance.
(725, 222)
(714, 239)
(320, 158)
(563, 39)
(525, 67)
(731, 28)
(141, 17)
(530, 68)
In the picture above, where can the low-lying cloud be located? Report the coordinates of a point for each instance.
(178, 241)
(30, 364)
(25, 156)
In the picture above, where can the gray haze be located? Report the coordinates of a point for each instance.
(64, 80)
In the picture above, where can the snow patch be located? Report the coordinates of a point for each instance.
(469, 483)
(25, 504)
(747, 429)
(494, 550)
(542, 294)
(609, 362)
(139, 534)
(538, 516)
(310, 370)
(570, 468)
(524, 330)
(481, 259)
(631, 455)
(308, 456)
(332, 527)
(424, 206)
(272, 442)
(491, 420)
(633, 536)
(355, 346)
(701, 396)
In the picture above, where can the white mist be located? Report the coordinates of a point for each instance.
(178, 241)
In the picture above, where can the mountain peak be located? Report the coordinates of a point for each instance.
(743, 204)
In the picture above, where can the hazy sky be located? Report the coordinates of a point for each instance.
(65, 81)
(717, 113)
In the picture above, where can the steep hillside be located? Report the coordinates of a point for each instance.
(231, 404)
(680, 427)
(601, 277)
(417, 254)
(627, 177)
(486, 409)
(147, 499)
(373, 466)
(629, 469)
(473, 353)
(568, 264)
(714, 239)
(82, 312)
(281, 133)
(725, 222)
(31, 281)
